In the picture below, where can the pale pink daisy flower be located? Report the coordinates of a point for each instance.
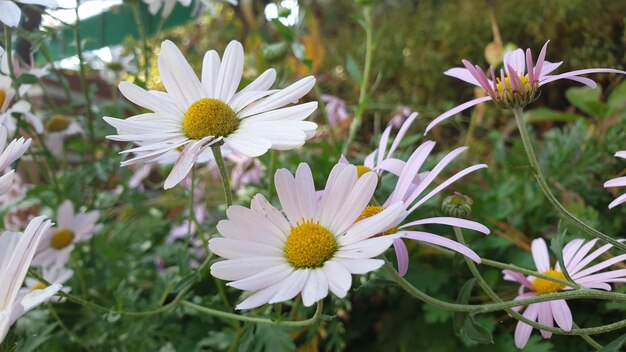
(194, 114)
(16, 252)
(10, 153)
(518, 82)
(71, 228)
(409, 191)
(617, 182)
(335, 109)
(316, 248)
(576, 257)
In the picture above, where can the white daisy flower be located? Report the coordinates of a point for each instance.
(59, 241)
(195, 114)
(316, 248)
(55, 275)
(9, 154)
(58, 128)
(16, 253)
(10, 13)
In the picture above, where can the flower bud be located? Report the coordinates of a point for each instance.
(57, 123)
(457, 205)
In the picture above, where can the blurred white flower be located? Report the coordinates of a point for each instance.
(10, 13)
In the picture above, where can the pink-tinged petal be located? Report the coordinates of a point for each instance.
(540, 61)
(335, 194)
(339, 278)
(548, 67)
(185, 162)
(584, 80)
(392, 165)
(261, 206)
(359, 266)
(609, 276)
(523, 330)
(254, 219)
(523, 296)
(621, 154)
(455, 111)
(305, 191)
(369, 160)
(573, 253)
(402, 255)
(479, 75)
(544, 317)
(316, 287)
(253, 234)
(405, 127)
(444, 242)
(619, 200)
(291, 286)
(589, 258)
(493, 78)
(411, 169)
(511, 275)
(237, 269)
(599, 266)
(264, 279)
(466, 224)
(540, 255)
(446, 183)
(462, 74)
(368, 248)
(382, 145)
(616, 182)
(516, 60)
(65, 215)
(573, 74)
(529, 66)
(562, 314)
(354, 203)
(513, 79)
(597, 285)
(388, 218)
(287, 195)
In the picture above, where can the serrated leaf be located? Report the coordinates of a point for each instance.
(615, 345)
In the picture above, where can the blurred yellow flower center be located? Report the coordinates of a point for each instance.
(310, 245)
(362, 170)
(57, 123)
(38, 286)
(372, 210)
(543, 286)
(507, 84)
(3, 96)
(62, 238)
(209, 117)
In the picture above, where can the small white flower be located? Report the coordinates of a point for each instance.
(10, 13)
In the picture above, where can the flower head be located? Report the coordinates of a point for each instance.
(58, 242)
(409, 191)
(194, 114)
(617, 182)
(9, 154)
(577, 257)
(517, 84)
(316, 248)
(16, 252)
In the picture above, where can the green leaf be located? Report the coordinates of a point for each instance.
(287, 33)
(186, 281)
(353, 70)
(476, 332)
(458, 319)
(617, 100)
(548, 115)
(27, 78)
(615, 345)
(587, 100)
(266, 338)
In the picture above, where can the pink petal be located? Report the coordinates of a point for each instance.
(600, 266)
(572, 253)
(462, 74)
(511, 275)
(529, 66)
(516, 60)
(466, 224)
(405, 127)
(540, 61)
(402, 255)
(545, 318)
(619, 200)
(523, 330)
(444, 242)
(454, 111)
(562, 314)
(540, 255)
(616, 182)
(382, 145)
(571, 74)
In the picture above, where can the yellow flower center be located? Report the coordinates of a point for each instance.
(372, 210)
(209, 117)
(507, 84)
(543, 286)
(310, 245)
(3, 96)
(62, 238)
(38, 286)
(362, 170)
(57, 123)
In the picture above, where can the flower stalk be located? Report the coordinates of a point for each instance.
(219, 160)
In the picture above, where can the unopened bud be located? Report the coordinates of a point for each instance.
(457, 205)
(57, 123)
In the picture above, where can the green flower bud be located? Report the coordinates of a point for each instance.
(457, 205)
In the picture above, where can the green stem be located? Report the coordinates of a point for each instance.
(69, 332)
(231, 316)
(219, 160)
(270, 175)
(593, 343)
(144, 39)
(536, 169)
(91, 118)
(356, 123)
(9, 54)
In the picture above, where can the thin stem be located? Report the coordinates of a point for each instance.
(593, 343)
(144, 39)
(219, 160)
(9, 54)
(534, 164)
(270, 175)
(91, 118)
(68, 331)
(231, 316)
(356, 123)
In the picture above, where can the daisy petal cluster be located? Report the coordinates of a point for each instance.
(410, 191)
(16, 252)
(577, 257)
(617, 182)
(10, 153)
(517, 84)
(59, 241)
(10, 12)
(312, 250)
(195, 114)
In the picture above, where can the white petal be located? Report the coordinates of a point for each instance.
(316, 287)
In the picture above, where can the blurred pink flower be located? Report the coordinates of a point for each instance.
(576, 258)
(335, 109)
(245, 171)
(617, 182)
(514, 87)
(400, 115)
